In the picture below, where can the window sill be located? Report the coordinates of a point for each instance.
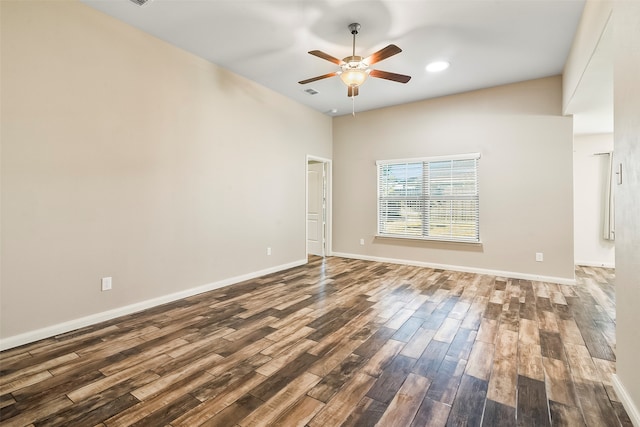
(427, 239)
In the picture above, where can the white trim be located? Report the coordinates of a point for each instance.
(464, 269)
(629, 406)
(596, 264)
(60, 328)
(428, 239)
(328, 208)
(468, 156)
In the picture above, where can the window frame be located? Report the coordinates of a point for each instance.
(425, 198)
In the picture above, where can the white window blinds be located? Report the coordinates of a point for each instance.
(432, 198)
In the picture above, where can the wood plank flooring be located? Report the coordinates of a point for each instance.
(337, 342)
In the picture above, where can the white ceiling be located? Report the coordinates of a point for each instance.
(487, 42)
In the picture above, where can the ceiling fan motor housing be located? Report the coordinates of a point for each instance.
(354, 61)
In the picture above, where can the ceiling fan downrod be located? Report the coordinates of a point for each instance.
(354, 28)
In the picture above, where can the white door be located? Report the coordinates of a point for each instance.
(315, 208)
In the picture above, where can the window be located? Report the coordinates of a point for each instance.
(433, 198)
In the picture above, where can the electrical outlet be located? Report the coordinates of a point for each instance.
(268, 251)
(106, 283)
(539, 256)
(362, 242)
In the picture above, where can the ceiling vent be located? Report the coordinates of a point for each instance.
(309, 91)
(139, 2)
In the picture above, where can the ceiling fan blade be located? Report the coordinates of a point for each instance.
(321, 54)
(313, 79)
(383, 53)
(352, 91)
(400, 78)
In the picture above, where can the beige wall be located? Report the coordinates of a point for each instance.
(589, 183)
(627, 151)
(123, 156)
(525, 176)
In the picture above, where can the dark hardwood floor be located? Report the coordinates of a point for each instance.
(335, 342)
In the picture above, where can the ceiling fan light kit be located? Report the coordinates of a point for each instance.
(353, 76)
(354, 69)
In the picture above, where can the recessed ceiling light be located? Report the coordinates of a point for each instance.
(437, 66)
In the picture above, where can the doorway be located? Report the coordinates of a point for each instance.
(318, 206)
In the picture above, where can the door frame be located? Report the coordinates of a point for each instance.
(327, 208)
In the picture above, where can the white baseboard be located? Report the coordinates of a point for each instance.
(510, 274)
(596, 264)
(60, 328)
(629, 406)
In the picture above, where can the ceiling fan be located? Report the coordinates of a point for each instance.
(354, 70)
